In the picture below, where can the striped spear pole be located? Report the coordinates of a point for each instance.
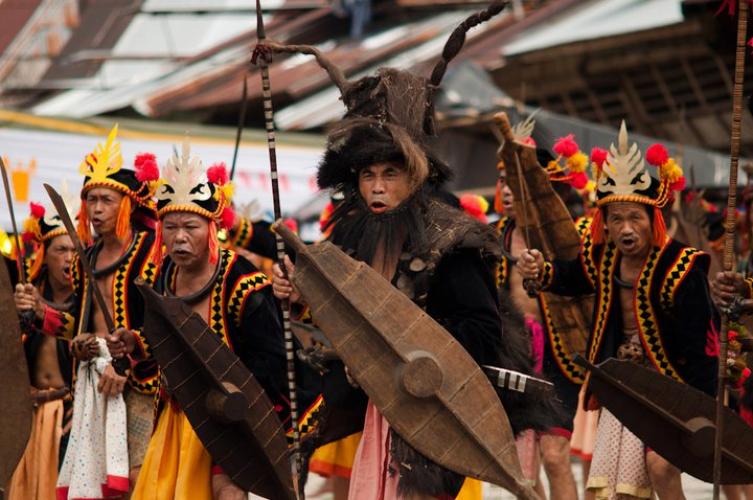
(730, 225)
(262, 57)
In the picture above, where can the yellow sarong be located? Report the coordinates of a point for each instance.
(176, 464)
(37, 472)
(471, 490)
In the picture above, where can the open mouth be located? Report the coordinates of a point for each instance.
(628, 243)
(67, 271)
(181, 253)
(378, 207)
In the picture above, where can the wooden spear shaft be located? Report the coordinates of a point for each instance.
(730, 226)
(262, 59)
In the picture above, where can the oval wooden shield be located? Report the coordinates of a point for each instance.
(16, 417)
(249, 445)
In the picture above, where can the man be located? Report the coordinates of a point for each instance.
(652, 306)
(117, 204)
(388, 220)
(554, 444)
(49, 359)
(191, 204)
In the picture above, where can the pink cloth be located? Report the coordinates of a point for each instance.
(370, 479)
(527, 445)
(537, 343)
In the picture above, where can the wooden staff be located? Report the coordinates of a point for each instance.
(730, 226)
(262, 57)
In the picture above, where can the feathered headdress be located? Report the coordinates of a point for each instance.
(186, 187)
(622, 176)
(103, 167)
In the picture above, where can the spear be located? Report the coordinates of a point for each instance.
(262, 56)
(731, 224)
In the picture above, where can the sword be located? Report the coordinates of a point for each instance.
(27, 317)
(19, 246)
(511, 380)
(122, 364)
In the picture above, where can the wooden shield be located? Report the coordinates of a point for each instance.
(545, 220)
(420, 378)
(228, 409)
(674, 419)
(16, 417)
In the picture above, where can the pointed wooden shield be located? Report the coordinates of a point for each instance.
(228, 409)
(15, 391)
(673, 419)
(420, 378)
(551, 230)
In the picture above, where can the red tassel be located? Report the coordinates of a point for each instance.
(214, 251)
(660, 228)
(36, 266)
(145, 166)
(217, 174)
(37, 210)
(597, 228)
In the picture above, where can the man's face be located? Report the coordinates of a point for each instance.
(507, 197)
(102, 207)
(384, 186)
(186, 237)
(58, 258)
(629, 227)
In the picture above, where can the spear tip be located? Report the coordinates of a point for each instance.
(259, 22)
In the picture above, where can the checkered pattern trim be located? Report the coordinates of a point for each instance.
(647, 324)
(503, 269)
(243, 288)
(676, 274)
(120, 283)
(143, 343)
(603, 298)
(583, 226)
(148, 385)
(562, 354)
(241, 237)
(68, 324)
(308, 421)
(547, 276)
(217, 313)
(588, 261)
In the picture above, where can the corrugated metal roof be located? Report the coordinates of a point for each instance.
(596, 19)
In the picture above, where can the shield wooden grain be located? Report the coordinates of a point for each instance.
(228, 409)
(674, 419)
(420, 378)
(15, 392)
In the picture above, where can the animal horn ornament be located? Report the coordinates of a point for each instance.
(262, 56)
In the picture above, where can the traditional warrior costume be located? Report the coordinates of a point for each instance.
(241, 312)
(37, 472)
(439, 257)
(672, 309)
(550, 352)
(103, 168)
